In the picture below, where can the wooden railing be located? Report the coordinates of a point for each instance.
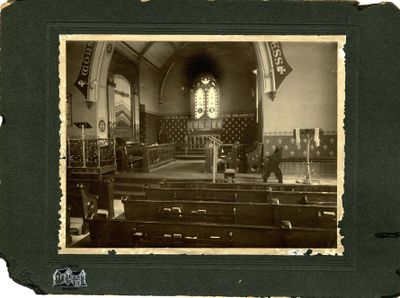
(91, 153)
(157, 155)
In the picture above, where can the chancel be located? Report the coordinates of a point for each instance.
(174, 143)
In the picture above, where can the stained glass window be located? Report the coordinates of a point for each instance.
(206, 98)
(212, 102)
(200, 103)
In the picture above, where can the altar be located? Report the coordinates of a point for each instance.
(200, 130)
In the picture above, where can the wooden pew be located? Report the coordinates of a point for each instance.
(133, 155)
(132, 233)
(229, 219)
(304, 197)
(171, 223)
(250, 185)
(239, 195)
(267, 214)
(80, 203)
(103, 189)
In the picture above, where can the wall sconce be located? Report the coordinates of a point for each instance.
(272, 94)
(89, 100)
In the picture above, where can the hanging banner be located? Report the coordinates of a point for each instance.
(82, 82)
(280, 66)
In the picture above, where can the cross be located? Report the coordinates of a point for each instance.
(281, 69)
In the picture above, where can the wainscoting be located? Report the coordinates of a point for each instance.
(319, 169)
(235, 127)
(149, 127)
(323, 157)
(327, 148)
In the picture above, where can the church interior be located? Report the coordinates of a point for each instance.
(201, 144)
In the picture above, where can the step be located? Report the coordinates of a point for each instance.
(152, 181)
(121, 186)
(118, 195)
(189, 157)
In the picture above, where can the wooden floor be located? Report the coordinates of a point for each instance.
(193, 169)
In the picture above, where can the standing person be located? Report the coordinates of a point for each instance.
(271, 165)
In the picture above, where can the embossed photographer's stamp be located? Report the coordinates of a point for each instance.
(66, 278)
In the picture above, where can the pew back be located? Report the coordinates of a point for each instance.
(239, 195)
(250, 185)
(265, 214)
(130, 233)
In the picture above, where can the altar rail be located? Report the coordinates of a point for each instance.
(91, 156)
(157, 155)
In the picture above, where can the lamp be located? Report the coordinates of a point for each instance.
(272, 94)
(309, 134)
(82, 126)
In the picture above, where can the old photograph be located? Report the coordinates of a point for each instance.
(198, 144)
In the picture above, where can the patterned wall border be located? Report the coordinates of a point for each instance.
(223, 116)
(290, 133)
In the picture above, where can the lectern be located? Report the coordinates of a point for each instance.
(215, 145)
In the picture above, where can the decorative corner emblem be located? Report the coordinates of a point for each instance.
(66, 278)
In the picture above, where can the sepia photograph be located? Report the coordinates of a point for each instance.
(200, 148)
(201, 144)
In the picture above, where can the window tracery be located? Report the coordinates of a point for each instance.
(206, 98)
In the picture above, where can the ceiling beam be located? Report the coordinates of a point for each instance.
(166, 67)
(146, 48)
(173, 46)
(132, 50)
(129, 48)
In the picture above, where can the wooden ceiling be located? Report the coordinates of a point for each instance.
(154, 53)
(160, 55)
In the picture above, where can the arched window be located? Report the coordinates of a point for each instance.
(206, 98)
(199, 103)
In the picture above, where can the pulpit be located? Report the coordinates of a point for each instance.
(90, 156)
(213, 145)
